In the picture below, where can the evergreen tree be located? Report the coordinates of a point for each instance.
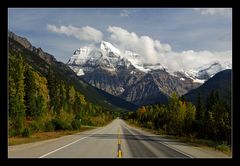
(189, 118)
(212, 99)
(77, 103)
(51, 86)
(218, 120)
(222, 127)
(30, 91)
(54, 91)
(42, 92)
(16, 94)
(200, 116)
(63, 102)
(40, 105)
(71, 97)
(38, 102)
(174, 122)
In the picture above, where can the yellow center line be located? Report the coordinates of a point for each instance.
(119, 154)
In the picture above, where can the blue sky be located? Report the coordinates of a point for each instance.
(181, 29)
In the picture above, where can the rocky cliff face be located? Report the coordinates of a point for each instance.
(25, 43)
(157, 86)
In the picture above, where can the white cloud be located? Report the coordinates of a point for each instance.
(153, 51)
(193, 59)
(213, 11)
(148, 47)
(85, 33)
(124, 13)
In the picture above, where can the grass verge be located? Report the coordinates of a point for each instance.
(40, 136)
(226, 149)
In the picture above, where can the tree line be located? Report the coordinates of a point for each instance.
(210, 120)
(46, 103)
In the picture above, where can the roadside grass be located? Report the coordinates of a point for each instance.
(204, 143)
(226, 149)
(40, 136)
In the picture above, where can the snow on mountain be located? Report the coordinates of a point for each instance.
(135, 60)
(108, 47)
(106, 56)
(80, 56)
(203, 73)
(138, 62)
(86, 58)
(198, 81)
(206, 71)
(80, 72)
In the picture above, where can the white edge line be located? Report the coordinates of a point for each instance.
(168, 146)
(69, 144)
(178, 150)
(126, 127)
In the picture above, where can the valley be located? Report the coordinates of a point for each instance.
(100, 86)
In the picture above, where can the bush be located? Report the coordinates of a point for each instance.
(87, 121)
(49, 126)
(35, 126)
(76, 124)
(149, 125)
(26, 132)
(12, 133)
(223, 147)
(60, 124)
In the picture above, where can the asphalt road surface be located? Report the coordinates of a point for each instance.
(116, 140)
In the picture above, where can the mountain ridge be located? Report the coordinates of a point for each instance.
(220, 82)
(42, 61)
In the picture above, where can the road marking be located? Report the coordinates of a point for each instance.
(126, 127)
(33, 144)
(178, 150)
(119, 139)
(69, 144)
(119, 152)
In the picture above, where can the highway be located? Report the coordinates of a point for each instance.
(115, 140)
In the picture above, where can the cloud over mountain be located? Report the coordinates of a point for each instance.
(85, 33)
(143, 45)
(151, 50)
(154, 51)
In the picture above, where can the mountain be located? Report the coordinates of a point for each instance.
(220, 82)
(203, 73)
(127, 75)
(42, 61)
(107, 57)
(26, 44)
(145, 91)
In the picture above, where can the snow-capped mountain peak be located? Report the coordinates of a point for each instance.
(108, 47)
(80, 55)
(103, 55)
(138, 62)
(83, 50)
(203, 73)
(108, 57)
